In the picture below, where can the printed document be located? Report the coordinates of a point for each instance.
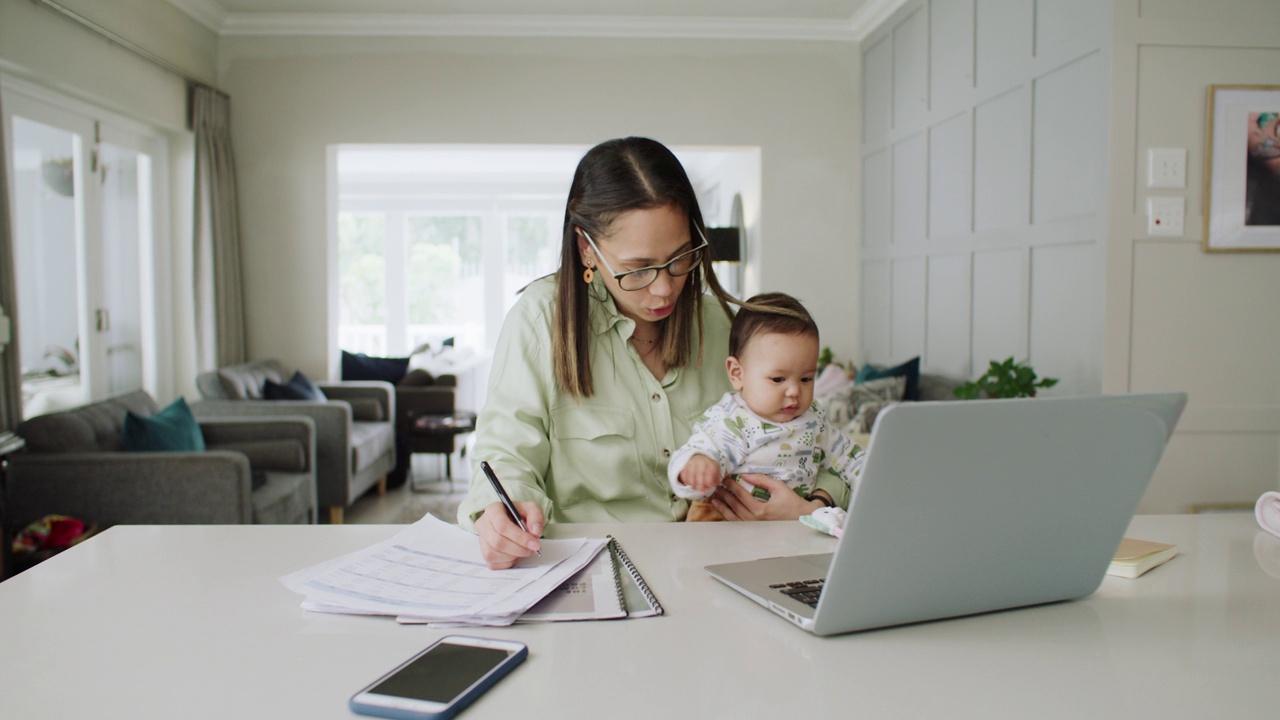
(433, 571)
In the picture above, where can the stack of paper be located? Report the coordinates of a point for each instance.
(433, 572)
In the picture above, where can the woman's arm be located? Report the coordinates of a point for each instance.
(737, 503)
(512, 431)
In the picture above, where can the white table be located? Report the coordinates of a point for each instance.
(191, 622)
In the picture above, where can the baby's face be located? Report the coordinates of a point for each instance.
(775, 373)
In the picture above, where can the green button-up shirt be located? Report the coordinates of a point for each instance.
(597, 459)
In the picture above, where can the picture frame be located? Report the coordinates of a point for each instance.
(1242, 169)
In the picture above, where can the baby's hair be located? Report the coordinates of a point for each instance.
(769, 313)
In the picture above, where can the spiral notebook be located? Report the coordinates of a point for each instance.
(609, 587)
(639, 598)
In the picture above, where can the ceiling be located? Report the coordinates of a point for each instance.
(838, 20)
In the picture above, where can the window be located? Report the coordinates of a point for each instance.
(416, 275)
(435, 241)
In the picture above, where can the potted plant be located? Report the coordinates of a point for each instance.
(1006, 379)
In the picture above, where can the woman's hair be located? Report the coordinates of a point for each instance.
(769, 313)
(615, 177)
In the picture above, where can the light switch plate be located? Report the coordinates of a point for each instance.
(1166, 216)
(1167, 168)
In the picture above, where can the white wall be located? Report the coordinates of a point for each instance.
(291, 97)
(983, 159)
(1177, 317)
(41, 45)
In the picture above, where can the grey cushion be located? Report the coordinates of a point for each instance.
(245, 381)
(938, 387)
(91, 428)
(366, 410)
(284, 498)
(369, 442)
(285, 455)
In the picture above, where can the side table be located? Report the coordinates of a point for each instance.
(432, 433)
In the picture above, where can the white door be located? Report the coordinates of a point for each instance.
(84, 212)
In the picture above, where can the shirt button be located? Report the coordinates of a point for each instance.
(657, 397)
(666, 453)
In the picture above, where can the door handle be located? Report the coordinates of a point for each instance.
(104, 319)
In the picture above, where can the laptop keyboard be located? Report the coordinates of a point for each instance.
(806, 591)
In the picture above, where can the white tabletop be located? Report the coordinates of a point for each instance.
(192, 622)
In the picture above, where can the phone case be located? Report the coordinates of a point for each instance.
(453, 709)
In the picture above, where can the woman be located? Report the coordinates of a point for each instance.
(601, 369)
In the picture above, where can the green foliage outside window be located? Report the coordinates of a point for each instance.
(360, 249)
(442, 252)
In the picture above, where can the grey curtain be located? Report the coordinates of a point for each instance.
(10, 365)
(219, 290)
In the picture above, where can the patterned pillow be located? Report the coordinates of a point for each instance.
(845, 405)
(863, 421)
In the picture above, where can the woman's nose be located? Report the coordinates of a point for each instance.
(663, 285)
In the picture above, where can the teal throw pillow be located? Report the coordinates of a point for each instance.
(173, 429)
(909, 369)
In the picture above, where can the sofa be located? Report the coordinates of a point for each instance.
(418, 392)
(854, 397)
(252, 470)
(355, 425)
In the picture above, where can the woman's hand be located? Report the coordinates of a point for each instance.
(735, 502)
(502, 542)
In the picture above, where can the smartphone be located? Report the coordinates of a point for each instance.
(441, 680)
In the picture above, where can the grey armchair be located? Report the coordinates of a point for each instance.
(253, 471)
(355, 426)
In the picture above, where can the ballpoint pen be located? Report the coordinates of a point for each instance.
(504, 497)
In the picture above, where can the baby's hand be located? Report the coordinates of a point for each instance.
(701, 473)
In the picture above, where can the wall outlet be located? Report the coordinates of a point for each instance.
(1167, 168)
(1165, 216)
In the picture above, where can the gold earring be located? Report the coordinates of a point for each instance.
(588, 275)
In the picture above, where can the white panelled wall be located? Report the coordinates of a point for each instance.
(1004, 191)
(984, 161)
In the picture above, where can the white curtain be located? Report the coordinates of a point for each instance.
(10, 367)
(219, 291)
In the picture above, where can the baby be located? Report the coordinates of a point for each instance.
(770, 423)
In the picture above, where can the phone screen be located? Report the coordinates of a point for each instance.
(442, 674)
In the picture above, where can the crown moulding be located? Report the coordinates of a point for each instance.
(212, 15)
(535, 26)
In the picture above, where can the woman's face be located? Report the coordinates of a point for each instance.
(639, 239)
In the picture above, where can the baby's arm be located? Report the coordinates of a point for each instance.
(701, 474)
(703, 449)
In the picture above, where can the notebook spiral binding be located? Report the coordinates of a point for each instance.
(616, 548)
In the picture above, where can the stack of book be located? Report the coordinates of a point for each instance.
(1135, 557)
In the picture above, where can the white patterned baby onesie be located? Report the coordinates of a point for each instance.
(742, 442)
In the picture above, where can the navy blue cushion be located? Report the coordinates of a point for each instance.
(173, 429)
(299, 387)
(910, 369)
(358, 366)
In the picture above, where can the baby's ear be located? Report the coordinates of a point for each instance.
(734, 368)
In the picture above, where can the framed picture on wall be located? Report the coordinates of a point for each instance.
(1242, 169)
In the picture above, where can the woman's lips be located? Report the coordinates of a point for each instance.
(663, 311)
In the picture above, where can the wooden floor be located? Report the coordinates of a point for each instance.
(426, 491)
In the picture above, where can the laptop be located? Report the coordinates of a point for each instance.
(974, 506)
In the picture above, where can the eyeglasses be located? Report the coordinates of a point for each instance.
(682, 264)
